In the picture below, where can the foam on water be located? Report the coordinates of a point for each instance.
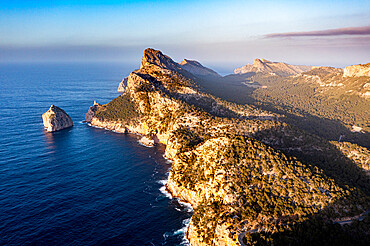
(187, 206)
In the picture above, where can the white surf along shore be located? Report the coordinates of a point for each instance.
(186, 207)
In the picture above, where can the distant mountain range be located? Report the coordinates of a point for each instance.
(275, 68)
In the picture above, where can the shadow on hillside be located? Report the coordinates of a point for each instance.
(332, 130)
(315, 151)
(318, 229)
(230, 88)
(315, 231)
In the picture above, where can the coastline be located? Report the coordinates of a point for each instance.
(171, 194)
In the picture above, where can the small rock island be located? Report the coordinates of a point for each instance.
(56, 119)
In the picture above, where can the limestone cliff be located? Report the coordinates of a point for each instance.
(56, 119)
(265, 66)
(236, 168)
(353, 80)
(357, 70)
(91, 112)
(122, 85)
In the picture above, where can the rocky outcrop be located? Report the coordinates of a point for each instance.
(265, 66)
(357, 70)
(122, 85)
(155, 57)
(56, 119)
(196, 68)
(319, 70)
(91, 112)
(148, 142)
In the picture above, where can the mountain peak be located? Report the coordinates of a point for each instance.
(156, 57)
(265, 66)
(193, 62)
(196, 68)
(258, 61)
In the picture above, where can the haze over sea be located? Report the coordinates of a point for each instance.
(82, 185)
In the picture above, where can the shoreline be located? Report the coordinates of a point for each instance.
(172, 196)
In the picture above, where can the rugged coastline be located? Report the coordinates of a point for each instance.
(239, 170)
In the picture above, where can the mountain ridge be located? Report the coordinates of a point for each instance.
(279, 68)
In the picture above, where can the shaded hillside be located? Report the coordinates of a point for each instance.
(320, 101)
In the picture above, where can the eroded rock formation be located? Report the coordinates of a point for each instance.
(91, 112)
(56, 119)
(357, 70)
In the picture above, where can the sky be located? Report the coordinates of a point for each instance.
(219, 34)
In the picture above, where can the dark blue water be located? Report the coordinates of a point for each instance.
(82, 185)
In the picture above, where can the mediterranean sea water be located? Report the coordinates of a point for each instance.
(81, 185)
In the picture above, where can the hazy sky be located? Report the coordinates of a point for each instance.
(217, 33)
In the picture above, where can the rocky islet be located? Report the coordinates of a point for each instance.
(56, 119)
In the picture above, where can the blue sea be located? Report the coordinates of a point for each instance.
(81, 185)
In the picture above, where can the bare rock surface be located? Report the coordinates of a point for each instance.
(147, 141)
(91, 112)
(122, 85)
(357, 70)
(56, 119)
(279, 68)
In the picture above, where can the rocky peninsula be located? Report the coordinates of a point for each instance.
(240, 170)
(56, 119)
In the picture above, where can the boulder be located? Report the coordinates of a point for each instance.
(56, 119)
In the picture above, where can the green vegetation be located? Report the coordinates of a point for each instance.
(325, 111)
(121, 109)
(272, 190)
(359, 155)
(315, 231)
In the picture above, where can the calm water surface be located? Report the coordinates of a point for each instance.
(82, 185)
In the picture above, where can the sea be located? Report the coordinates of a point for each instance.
(81, 185)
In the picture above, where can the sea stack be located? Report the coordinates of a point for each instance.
(56, 119)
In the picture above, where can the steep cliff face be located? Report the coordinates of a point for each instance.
(357, 70)
(265, 66)
(56, 119)
(222, 164)
(122, 85)
(91, 112)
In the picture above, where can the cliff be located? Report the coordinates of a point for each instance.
(265, 66)
(56, 119)
(237, 169)
(122, 85)
(357, 70)
(91, 112)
